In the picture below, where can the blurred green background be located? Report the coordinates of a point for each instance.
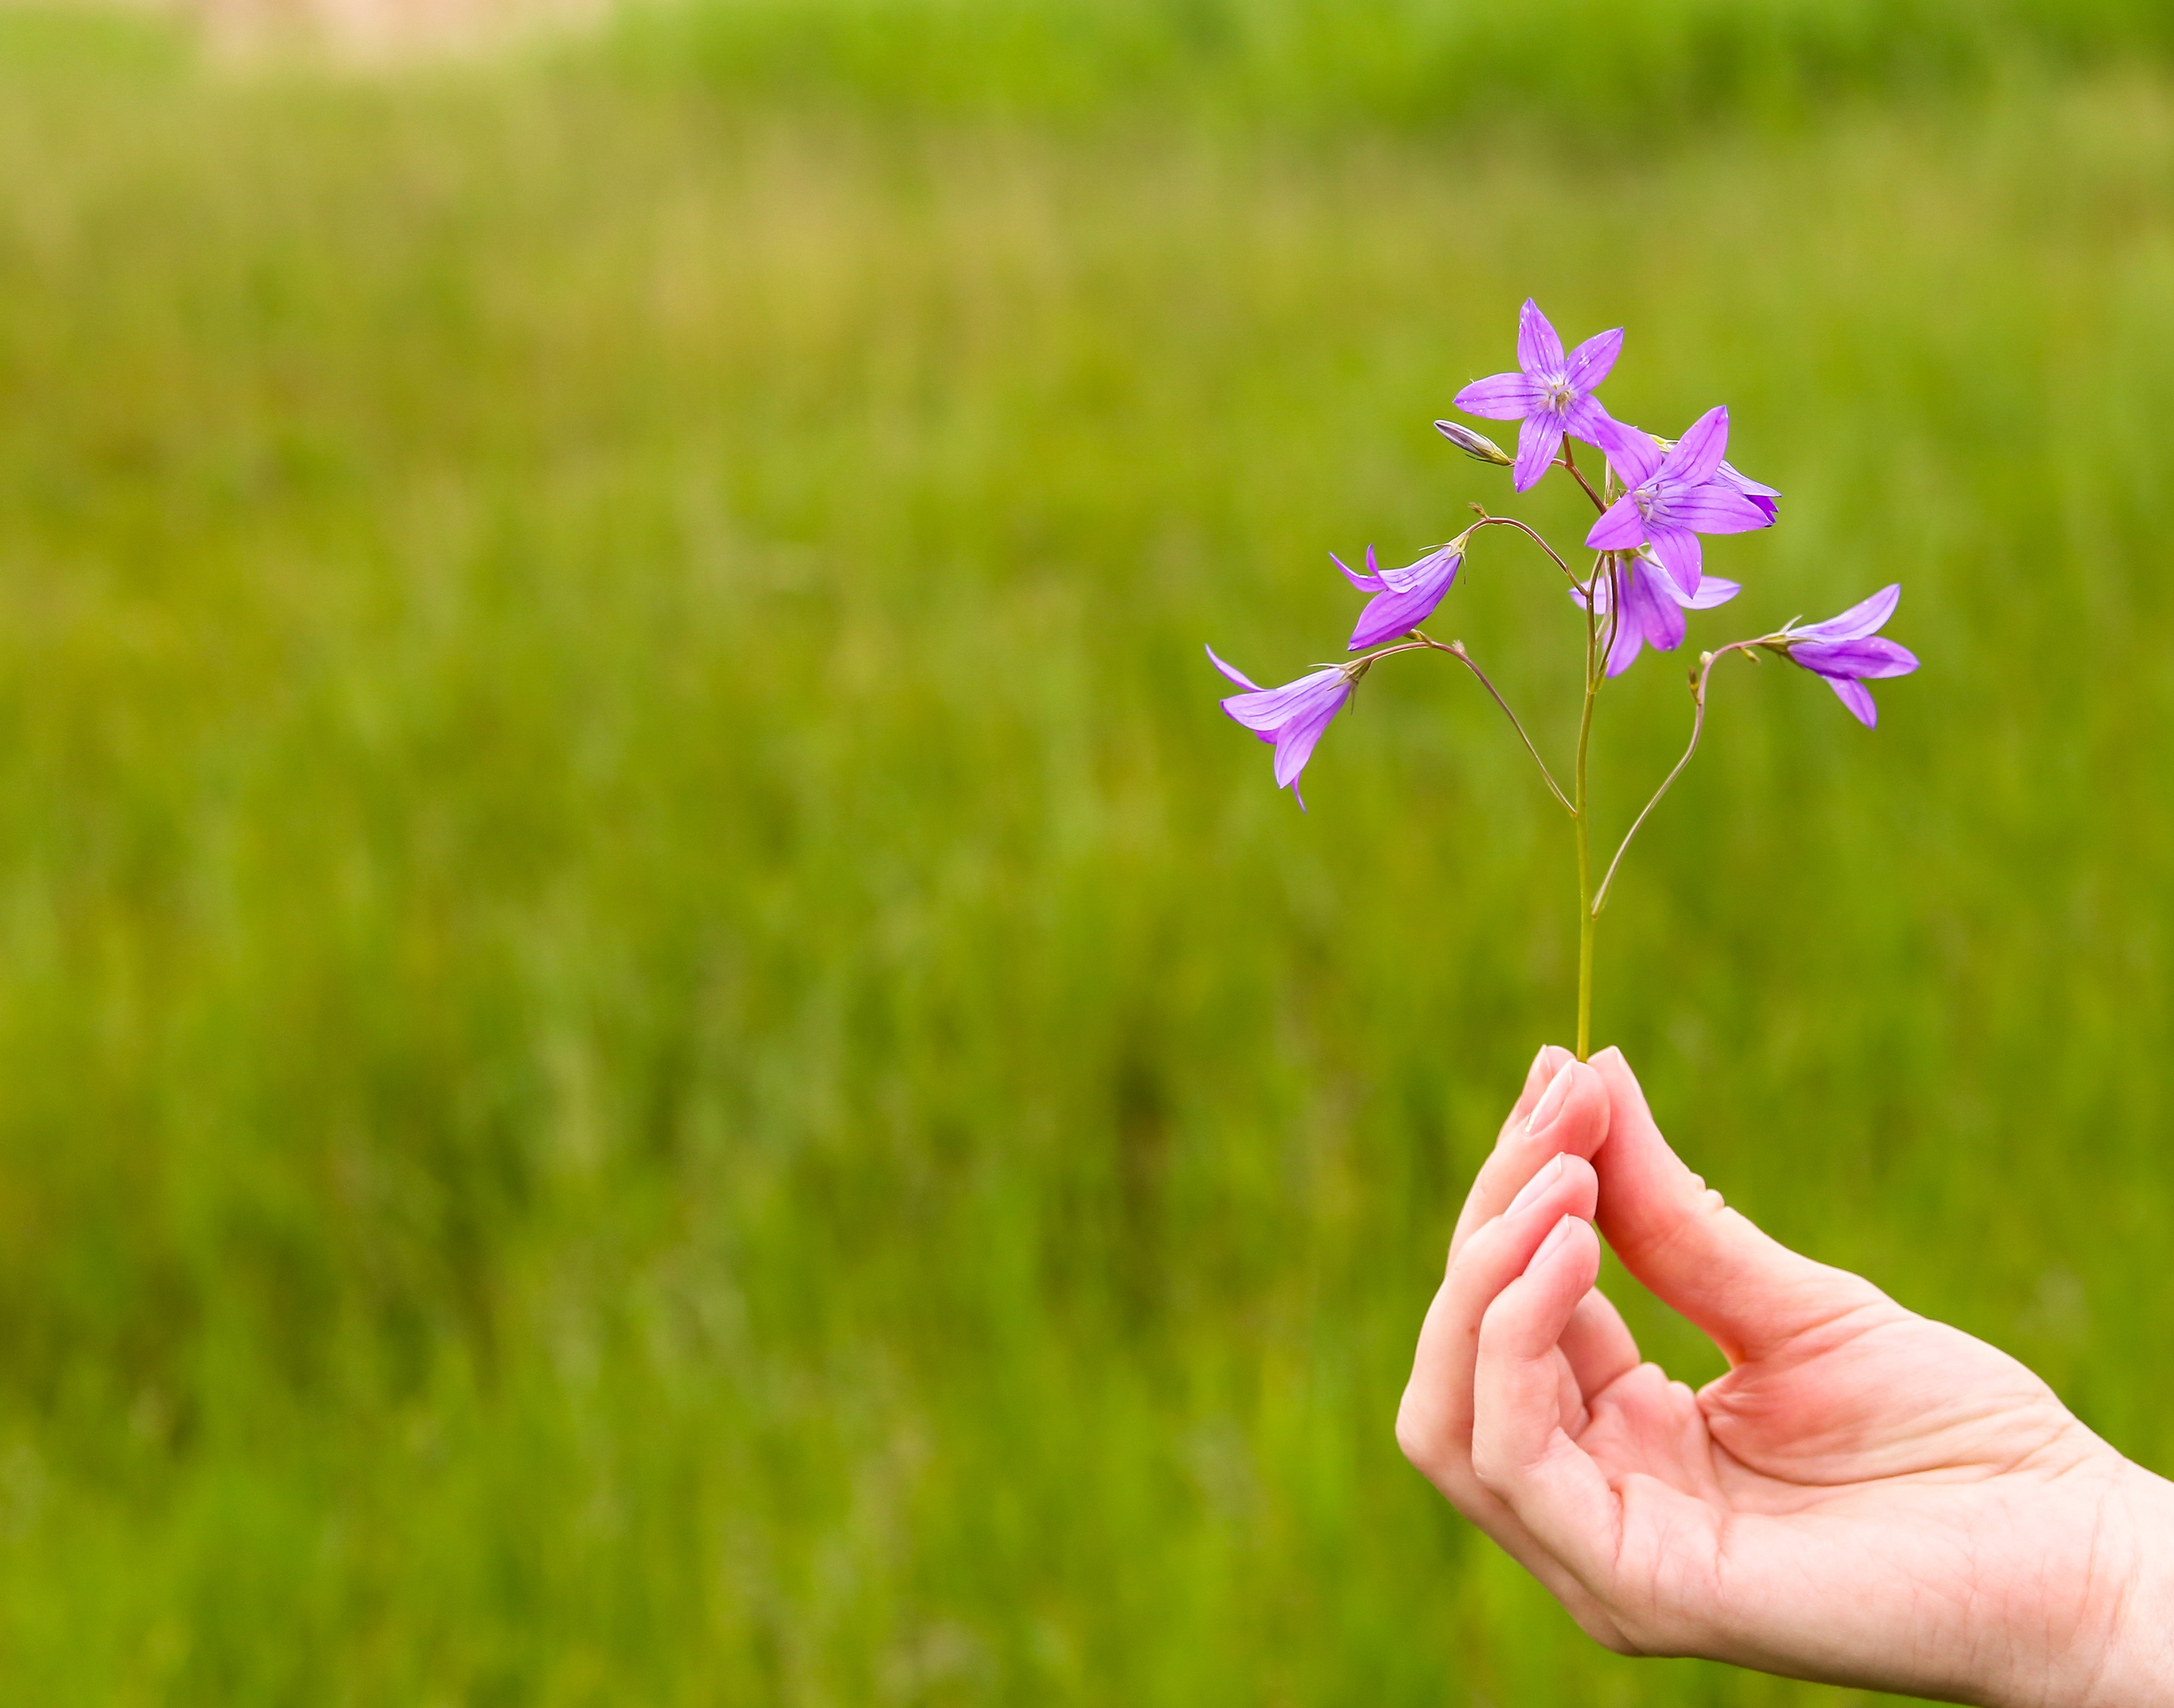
(655, 1047)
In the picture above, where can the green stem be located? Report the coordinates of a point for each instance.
(1581, 811)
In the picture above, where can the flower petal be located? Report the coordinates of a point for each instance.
(1587, 421)
(1712, 509)
(1388, 615)
(1233, 672)
(1370, 582)
(1271, 708)
(1501, 397)
(1635, 453)
(1619, 527)
(1655, 613)
(1698, 453)
(1295, 740)
(1628, 642)
(1863, 618)
(1678, 549)
(1743, 483)
(1538, 441)
(1712, 590)
(1539, 351)
(1413, 593)
(1589, 362)
(1858, 698)
(1434, 571)
(1870, 655)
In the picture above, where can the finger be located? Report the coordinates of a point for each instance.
(1520, 1452)
(1545, 1066)
(1434, 1423)
(1748, 1292)
(1570, 1115)
(1598, 1345)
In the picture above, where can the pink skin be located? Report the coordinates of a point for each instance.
(1867, 1498)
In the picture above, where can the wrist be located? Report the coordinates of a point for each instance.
(2133, 1619)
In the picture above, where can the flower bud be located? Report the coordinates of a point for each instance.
(1477, 446)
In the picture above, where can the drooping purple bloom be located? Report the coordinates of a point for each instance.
(1402, 599)
(1676, 496)
(1653, 609)
(1846, 651)
(1292, 717)
(1551, 393)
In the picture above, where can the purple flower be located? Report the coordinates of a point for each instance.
(1402, 599)
(1292, 717)
(1761, 494)
(1551, 393)
(1676, 496)
(1847, 653)
(1653, 609)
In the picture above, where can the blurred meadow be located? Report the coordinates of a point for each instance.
(654, 1045)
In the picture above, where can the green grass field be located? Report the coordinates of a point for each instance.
(654, 1046)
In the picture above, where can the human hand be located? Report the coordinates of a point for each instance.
(1867, 1498)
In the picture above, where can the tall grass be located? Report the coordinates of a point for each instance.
(1586, 66)
(653, 1045)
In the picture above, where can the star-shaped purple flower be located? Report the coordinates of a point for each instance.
(1676, 496)
(1846, 652)
(1551, 393)
(1765, 497)
(1292, 717)
(1653, 609)
(1402, 599)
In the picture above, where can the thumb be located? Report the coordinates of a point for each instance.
(1750, 1294)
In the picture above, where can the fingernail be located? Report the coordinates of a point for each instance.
(1551, 1100)
(1555, 1237)
(1540, 1183)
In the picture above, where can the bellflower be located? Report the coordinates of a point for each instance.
(1846, 651)
(1764, 496)
(1550, 394)
(1292, 717)
(1674, 497)
(1653, 609)
(1402, 599)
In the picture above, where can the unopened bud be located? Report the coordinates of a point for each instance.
(1476, 446)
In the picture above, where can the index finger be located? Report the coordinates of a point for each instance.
(1558, 1111)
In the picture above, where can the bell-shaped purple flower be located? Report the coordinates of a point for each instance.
(1550, 394)
(1292, 717)
(1653, 609)
(1676, 495)
(1846, 651)
(1402, 599)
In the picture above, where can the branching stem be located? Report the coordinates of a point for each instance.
(1487, 521)
(1455, 649)
(1421, 641)
(1698, 681)
(1570, 461)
